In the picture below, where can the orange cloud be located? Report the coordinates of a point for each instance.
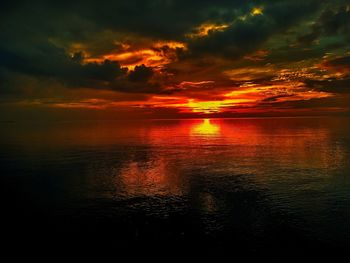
(157, 55)
(205, 29)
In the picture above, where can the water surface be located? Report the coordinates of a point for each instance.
(260, 185)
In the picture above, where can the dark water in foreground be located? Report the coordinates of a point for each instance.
(265, 186)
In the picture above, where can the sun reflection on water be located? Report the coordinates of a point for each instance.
(206, 128)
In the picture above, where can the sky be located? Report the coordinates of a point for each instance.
(173, 58)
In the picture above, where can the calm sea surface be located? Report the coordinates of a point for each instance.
(247, 184)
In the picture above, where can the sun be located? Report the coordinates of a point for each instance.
(206, 107)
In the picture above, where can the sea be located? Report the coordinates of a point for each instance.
(253, 186)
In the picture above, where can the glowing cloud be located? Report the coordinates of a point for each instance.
(256, 11)
(157, 55)
(205, 29)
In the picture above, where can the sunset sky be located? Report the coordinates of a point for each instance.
(174, 59)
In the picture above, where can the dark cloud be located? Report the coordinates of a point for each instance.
(141, 74)
(340, 83)
(323, 104)
(334, 21)
(72, 73)
(336, 86)
(246, 35)
(47, 42)
(339, 64)
(49, 61)
(275, 98)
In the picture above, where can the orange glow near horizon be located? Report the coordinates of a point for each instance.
(245, 99)
(182, 88)
(205, 106)
(196, 93)
(208, 107)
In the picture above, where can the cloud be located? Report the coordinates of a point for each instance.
(246, 34)
(141, 74)
(336, 86)
(50, 62)
(199, 50)
(333, 21)
(340, 65)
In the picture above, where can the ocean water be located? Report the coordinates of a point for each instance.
(213, 185)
